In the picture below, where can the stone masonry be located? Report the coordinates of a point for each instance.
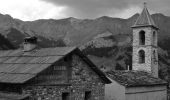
(150, 49)
(82, 79)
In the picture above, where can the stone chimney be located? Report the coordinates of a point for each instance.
(30, 43)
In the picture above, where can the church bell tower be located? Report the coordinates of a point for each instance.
(145, 54)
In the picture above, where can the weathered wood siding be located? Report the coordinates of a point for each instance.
(146, 93)
(81, 79)
(114, 91)
(58, 73)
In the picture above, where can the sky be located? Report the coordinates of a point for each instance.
(29, 10)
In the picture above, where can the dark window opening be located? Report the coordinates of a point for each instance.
(154, 38)
(87, 95)
(65, 96)
(141, 56)
(154, 57)
(142, 38)
(154, 54)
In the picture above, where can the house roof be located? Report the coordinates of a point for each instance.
(145, 19)
(17, 66)
(12, 96)
(135, 78)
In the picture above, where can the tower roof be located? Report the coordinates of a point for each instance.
(145, 19)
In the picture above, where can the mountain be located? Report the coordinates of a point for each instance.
(105, 40)
(74, 31)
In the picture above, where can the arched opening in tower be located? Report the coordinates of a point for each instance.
(141, 54)
(154, 56)
(154, 38)
(142, 37)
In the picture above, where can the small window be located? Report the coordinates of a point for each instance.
(141, 56)
(142, 37)
(65, 96)
(154, 56)
(87, 95)
(154, 38)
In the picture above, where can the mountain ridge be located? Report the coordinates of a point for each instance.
(105, 40)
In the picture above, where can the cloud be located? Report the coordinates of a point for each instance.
(56, 9)
(96, 8)
(31, 9)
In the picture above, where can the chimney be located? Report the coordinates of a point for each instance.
(30, 43)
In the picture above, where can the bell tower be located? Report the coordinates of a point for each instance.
(145, 54)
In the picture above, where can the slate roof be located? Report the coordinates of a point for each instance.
(145, 19)
(135, 78)
(17, 66)
(12, 96)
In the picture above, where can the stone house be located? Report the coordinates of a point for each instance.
(61, 73)
(142, 82)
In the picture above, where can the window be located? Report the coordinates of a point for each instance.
(154, 38)
(142, 38)
(87, 95)
(141, 56)
(65, 96)
(154, 56)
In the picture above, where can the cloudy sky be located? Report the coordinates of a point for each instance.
(57, 9)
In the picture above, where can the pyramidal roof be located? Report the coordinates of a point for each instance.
(145, 19)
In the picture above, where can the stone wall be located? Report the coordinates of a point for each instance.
(151, 60)
(83, 79)
(148, 36)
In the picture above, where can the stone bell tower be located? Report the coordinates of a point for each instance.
(145, 54)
